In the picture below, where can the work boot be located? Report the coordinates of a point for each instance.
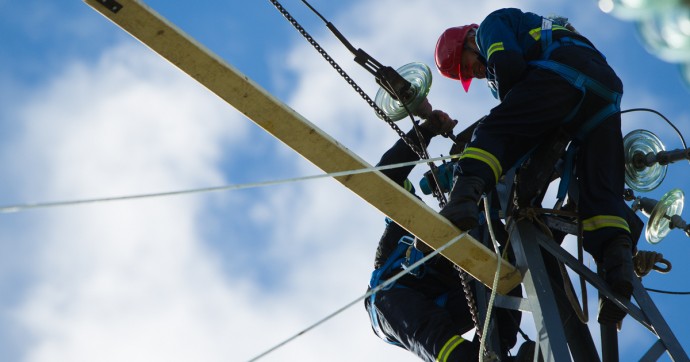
(525, 353)
(461, 208)
(617, 269)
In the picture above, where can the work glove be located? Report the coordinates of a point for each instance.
(439, 122)
(423, 110)
(643, 263)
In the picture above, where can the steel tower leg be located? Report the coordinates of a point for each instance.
(561, 335)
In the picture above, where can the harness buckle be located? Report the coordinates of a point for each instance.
(412, 255)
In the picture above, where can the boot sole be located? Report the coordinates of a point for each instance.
(463, 223)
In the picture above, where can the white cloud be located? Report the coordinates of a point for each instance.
(136, 280)
(130, 280)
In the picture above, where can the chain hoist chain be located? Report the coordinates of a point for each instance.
(437, 192)
(471, 302)
(349, 80)
(421, 152)
(464, 277)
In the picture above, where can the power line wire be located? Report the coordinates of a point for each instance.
(667, 292)
(38, 205)
(382, 286)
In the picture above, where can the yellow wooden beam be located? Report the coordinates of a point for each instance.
(312, 143)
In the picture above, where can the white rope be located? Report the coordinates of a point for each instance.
(367, 295)
(27, 206)
(482, 344)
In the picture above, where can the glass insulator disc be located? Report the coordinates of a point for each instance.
(419, 75)
(659, 220)
(642, 178)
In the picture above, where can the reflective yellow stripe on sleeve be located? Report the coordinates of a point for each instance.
(486, 157)
(536, 32)
(494, 48)
(604, 221)
(408, 185)
(448, 348)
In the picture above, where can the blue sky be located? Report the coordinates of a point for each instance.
(86, 111)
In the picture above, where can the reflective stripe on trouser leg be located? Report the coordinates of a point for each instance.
(449, 347)
(604, 221)
(486, 157)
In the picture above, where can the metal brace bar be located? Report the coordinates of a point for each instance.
(661, 328)
(551, 339)
(654, 353)
(595, 280)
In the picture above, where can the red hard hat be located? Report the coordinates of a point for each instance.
(449, 52)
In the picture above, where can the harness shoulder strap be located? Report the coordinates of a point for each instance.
(396, 259)
(584, 83)
(546, 32)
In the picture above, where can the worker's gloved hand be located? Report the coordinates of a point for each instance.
(423, 110)
(439, 122)
(644, 262)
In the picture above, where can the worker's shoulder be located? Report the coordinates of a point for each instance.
(512, 20)
(506, 12)
(512, 14)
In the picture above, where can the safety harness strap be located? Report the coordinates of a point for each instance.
(404, 255)
(578, 79)
(582, 82)
(393, 261)
(546, 31)
(566, 40)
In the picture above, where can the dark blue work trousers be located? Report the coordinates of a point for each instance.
(536, 107)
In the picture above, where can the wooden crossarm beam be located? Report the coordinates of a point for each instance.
(302, 136)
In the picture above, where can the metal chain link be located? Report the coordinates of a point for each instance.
(350, 81)
(421, 152)
(471, 302)
(464, 277)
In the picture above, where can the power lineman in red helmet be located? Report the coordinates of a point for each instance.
(548, 77)
(452, 45)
